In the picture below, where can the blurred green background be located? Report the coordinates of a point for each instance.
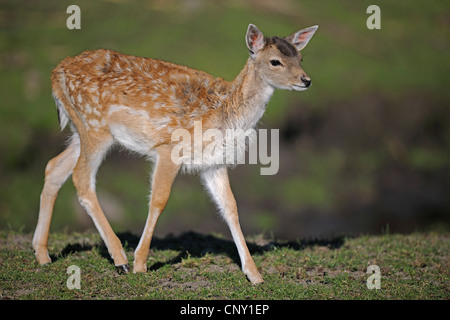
(364, 150)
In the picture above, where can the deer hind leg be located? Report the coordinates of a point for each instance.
(56, 173)
(164, 173)
(83, 176)
(217, 183)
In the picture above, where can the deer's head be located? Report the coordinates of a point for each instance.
(278, 60)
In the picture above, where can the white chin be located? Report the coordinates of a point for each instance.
(299, 88)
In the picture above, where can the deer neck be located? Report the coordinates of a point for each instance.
(249, 98)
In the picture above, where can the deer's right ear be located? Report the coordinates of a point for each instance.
(301, 38)
(254, 40)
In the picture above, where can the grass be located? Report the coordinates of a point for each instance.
(195, 266)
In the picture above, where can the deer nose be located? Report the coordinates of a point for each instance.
(306, 81)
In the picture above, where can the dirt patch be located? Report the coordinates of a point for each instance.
(16, 241)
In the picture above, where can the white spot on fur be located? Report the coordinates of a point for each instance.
(160, 123)
(117, 108)
(94, 123)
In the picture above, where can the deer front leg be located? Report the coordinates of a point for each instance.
(164, 173)
(216, 180)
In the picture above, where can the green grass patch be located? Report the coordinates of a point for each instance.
(195, 266)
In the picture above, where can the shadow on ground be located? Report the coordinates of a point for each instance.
(195, 244)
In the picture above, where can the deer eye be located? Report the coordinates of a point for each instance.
(275, 63)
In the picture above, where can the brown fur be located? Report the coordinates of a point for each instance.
(112, 98)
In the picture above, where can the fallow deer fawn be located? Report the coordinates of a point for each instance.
(111, 98)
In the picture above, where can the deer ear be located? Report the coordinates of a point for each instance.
(254, 40)
(301, 38)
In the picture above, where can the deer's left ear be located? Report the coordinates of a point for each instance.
(254, 40)
(301, 38)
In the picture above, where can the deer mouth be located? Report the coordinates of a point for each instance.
(300, 87)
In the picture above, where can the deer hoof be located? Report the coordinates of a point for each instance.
(123, 268)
